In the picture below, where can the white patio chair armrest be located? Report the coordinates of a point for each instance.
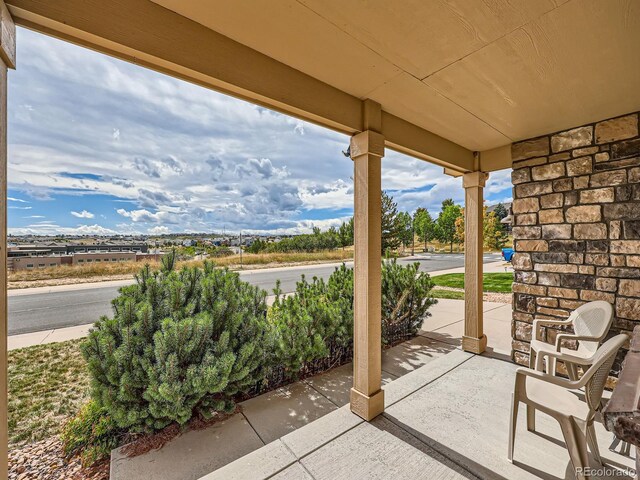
(567, 357)
(545, 321)
(545, 377)
(571, 336)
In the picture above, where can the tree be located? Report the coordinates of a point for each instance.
(493, 231)
(345, 233)
(446, 223)
(424, 226)
(406, 228)
(500, 211)
(257, 246)
(391, 224)
(447, 202)
(460, 227)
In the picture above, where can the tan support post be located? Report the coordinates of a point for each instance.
(474, 339)
(367, 398)
(7, 60)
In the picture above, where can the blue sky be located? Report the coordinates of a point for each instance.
(100, 146)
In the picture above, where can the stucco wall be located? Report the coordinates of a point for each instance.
(576, 226)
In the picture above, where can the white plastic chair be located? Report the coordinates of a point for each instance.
(554, 396)
(591, 323)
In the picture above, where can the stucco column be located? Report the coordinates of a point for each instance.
(474, 339)
(7, 60)
(367, 398)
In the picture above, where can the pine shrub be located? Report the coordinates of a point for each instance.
(313, 322)
(189, 342)
(406, 299)
(316, 321)
(179, 344)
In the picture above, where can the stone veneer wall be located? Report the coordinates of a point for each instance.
(576, 226)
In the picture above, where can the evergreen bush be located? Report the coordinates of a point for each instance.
(406, 299)
(316, 321)
(179, 343)
(313, 322)
(190, 342)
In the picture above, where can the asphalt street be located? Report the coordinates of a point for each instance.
(66, 307)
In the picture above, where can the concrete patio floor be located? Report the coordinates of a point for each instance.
(446, 420)
(275, 414)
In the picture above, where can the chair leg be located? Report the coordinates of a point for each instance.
(531, 418)
(592, 441)
(572, 371)
(515, 402)
(576, 442)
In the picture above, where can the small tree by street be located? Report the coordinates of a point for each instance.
(495, 236)
(406, 229)
(345, 233)
(424, 226)
(391, 224)
(493, 232)
(446, 231)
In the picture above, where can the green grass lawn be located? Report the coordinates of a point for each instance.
(47, 385)
(451, 294)
(493, 282)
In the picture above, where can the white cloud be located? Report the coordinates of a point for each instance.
(55, 229)
(13, 199)
(191, 159)
(83, 214)
(143, 215)
(158, 230)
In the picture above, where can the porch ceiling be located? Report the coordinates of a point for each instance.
(452, 77)
(482, 74)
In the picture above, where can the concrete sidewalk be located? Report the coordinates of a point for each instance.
(70, 333)
(275, 414)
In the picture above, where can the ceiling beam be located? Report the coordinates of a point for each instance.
(144, 33)
(496, 159)
(410, 139)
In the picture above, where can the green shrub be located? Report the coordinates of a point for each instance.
(406, 299)
(179, 343)
(313, 320)
(316, 321)
(189, 342)
(92, 434)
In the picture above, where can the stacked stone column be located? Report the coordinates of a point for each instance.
(576, 226)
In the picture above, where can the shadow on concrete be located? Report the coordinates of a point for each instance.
(443, 454)
(415, 353)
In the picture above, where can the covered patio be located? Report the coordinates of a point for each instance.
(445, 420)
(472, 87)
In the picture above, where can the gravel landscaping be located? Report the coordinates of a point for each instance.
(44, 460)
